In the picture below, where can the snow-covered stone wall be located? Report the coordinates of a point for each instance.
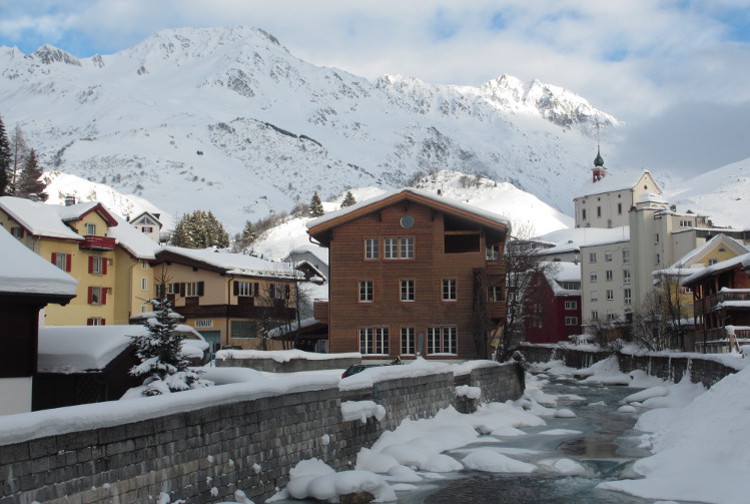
(702, 368)
(204, 455)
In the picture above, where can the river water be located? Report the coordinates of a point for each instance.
(605, 445)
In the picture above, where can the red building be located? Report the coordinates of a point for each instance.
(552, 310)
(413, 273)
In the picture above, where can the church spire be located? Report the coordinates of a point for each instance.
(599, 171)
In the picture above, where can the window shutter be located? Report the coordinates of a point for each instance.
(104, 321)
(91, 264)
(256, 289)
(89, 321)
(236, 287)
(200, 288)
(67, 262)
(91, 295)
(104, 295)
(182, 289)
(105, 261)
(54, 256)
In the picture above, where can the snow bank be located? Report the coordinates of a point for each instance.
(283, 355)
(361, 410)
(488, 460)
(315, 479)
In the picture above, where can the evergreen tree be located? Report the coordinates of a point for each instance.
(28, 181)
(163, 366)
(246, 237)
(348, 200)
(5, 162)
(316, 206)
(20, 152)
(199, 230)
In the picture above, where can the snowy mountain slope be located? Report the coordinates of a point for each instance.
(228, 120)
(524, 210)
(722, 194)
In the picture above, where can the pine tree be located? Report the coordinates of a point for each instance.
(5, 162)
(316, 206)
(348, 200)
(28, 182)
(246, 237)
(163, 366)
(199, 230)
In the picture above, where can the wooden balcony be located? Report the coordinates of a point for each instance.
(497, 309)
(91, 242)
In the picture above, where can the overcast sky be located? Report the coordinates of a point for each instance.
(677, 71)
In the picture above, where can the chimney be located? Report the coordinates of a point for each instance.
(70, 200)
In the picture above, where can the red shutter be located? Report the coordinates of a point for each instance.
(104, 295)
(104, 321)
(104, 265)
(53, 258)
(91, 295)
(91, 264)
(67, 262)
(89, 321)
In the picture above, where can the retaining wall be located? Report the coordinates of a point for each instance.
(290, 366)
(204, 455)
(701, 370)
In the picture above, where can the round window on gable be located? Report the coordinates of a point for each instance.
(407, 221)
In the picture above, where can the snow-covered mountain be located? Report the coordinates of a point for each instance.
(226, 119)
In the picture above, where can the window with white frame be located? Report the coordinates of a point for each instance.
(628, 296)
(372, 248)
(144, 283)
(96, 265)
(592, 257)
(407, 290)
(607, 256)
(449, 289)
(91, 229)
(373, 341)
(593, 277)
(406, 247)
(243, 288)
(626, 277)
(611, 316)
(594, 315)
(96, 295)
(17, 231)
(365, 291)
(571, 321)
(398, 248)
(626, 256)
(408, 346)
(442, 340)
(390, 248)
(610, 294)
(492, 252)
(496, 293)
(95, 321)
(594, 295)
(608, 275)
(571, 304)
(61, 260)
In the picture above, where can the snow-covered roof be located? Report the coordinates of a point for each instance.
(651, 197)
(427, 197)
(76, 211)
(24, 272)
(688, 264)
(38, 218)
(236, 264)
(571, 240)
(742, 261)
(80, 349)
(558, 272)
(138, 244)
(610, 183)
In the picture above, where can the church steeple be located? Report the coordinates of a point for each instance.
(599, 171)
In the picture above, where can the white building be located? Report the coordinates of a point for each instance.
(607, 280)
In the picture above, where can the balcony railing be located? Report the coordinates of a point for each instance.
(97, 243)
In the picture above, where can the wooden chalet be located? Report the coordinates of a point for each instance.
(413, 273)
(721, 305)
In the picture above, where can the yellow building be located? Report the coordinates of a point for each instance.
(231, 299)
(83, 239)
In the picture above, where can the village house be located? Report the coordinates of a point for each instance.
(721, 304)
(27, 284)
(553, 307)
(149, 224)
(413, 273)
(109, 258)
(230, 299)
